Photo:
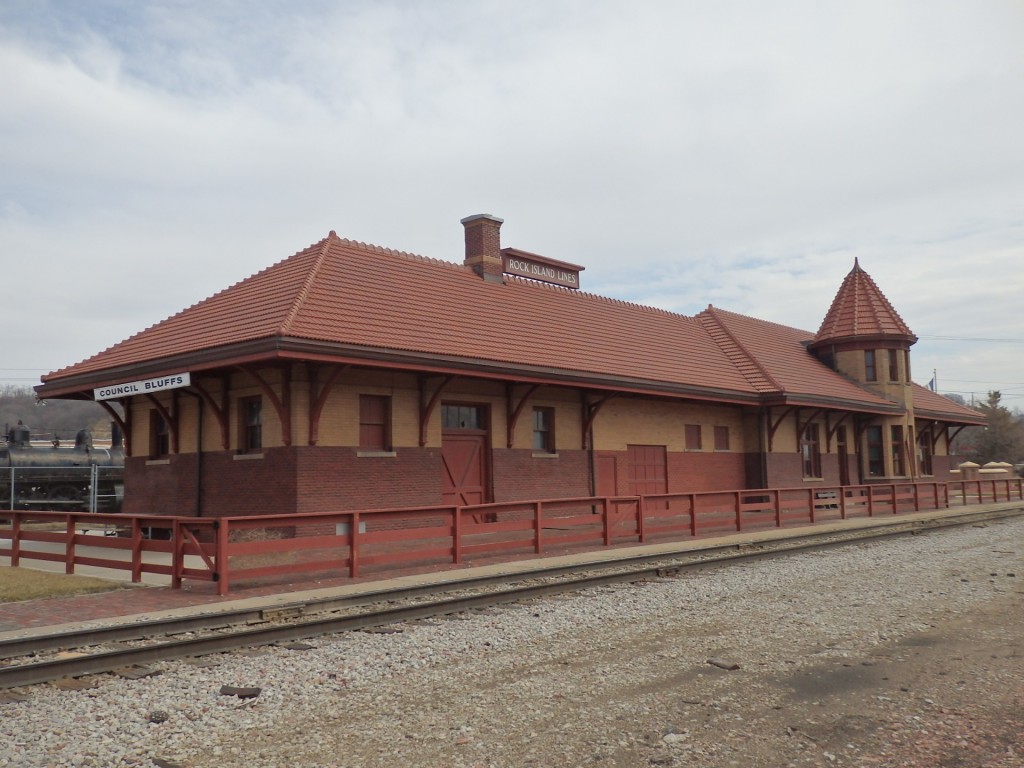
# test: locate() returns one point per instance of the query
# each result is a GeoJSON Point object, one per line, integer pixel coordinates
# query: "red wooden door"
{"type": "Point", "coordinates": [463, 457]}
{"type": "Point", "coordinates": [647, 469]}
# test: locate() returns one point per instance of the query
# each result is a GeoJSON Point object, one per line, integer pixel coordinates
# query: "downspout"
{"type": "Point", "coordinates": [199, 456]}
{"type": "Point", "coordinates": [763, 442]}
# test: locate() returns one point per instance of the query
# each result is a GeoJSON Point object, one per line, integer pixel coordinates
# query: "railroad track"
{"type": "Point", "coordinates": [149, 642]}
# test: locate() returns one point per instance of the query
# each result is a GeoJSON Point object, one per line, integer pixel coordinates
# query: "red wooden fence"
{"type": "Point", "coordinates": [234, 549]}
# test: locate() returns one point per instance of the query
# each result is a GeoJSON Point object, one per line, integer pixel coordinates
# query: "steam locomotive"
{"type": "Point", "coordinates": [58, 477]}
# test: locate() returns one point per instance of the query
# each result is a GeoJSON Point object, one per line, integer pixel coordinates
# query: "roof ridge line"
{"type": "Point", "coordinates": [307, 284]}
{"type": "Point", "coordinates": [712, 314]}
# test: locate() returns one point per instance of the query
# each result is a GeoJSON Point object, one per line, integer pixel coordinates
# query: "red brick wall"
{"type": "Point", "coordinates": [249, 486]}
{"type": "Point", "coordinates": [704, 471]}
{"type": "Point", "coordinates": [336, 478]}
{"type": "Point", "coordinates": [160, 489]}
{"type": "Point", "coordinates": [785, 470]}
{"type": "Point", "coordinates": [518, 475]}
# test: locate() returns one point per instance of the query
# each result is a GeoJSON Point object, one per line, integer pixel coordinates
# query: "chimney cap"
{"type": "Point", "coordinates": [476, 216]}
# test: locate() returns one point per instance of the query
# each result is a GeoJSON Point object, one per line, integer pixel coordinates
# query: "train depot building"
{"type": "Point", "coordinates": [351, 376]}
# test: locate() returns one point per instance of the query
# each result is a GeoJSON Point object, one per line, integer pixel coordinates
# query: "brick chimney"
{"type": "Point", "coordinates": [483, 246]}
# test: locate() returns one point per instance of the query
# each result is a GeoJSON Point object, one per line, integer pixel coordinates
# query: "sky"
{"type": "Point", "coordinates": [726, 152]}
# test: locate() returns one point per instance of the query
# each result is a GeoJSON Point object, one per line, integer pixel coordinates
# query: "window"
{"type": "Point", "coordinates": [876, 458]}
{"type": "Point", "coordinates": [693, 441]}
{"type": "Point", "coordinates": [924, 453]}
{"type": "Point", "coordinates": [374, 423]}
{"type": "Point", "coordinates": [906, 363]}
{"type": "Point", "coordinates": [544, 430]}
{"type": "Point", "coordinates": [898, 464]}
{"type": "Point", "coordinates": [159, 435]}
{"type": "Point", "coordinates": [810, 451]}
{"type": "Point", "coordinates": [463, 417]}
{"type": "Point", "coordinates": [870, 373]}
{"type": "Point", "coordinates": [894, 365]}
{"type": "Point", "coordinates": [251, 420]}
{"type": "Point", "coordinates": [721, 438]}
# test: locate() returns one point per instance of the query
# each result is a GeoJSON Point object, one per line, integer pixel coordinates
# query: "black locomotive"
{"type": "Point", "coordinates": [59, 477]}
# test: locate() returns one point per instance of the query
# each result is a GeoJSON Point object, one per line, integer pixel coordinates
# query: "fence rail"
{"type": "Point", "coordinates": [230, 550]}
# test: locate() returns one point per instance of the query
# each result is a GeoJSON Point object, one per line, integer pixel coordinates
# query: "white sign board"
{"type": "Point", "coordinates": [146, 386]}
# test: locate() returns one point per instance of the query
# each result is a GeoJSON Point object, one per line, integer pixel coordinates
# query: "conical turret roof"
{"type": "Point", "coordinates": [861, 311]}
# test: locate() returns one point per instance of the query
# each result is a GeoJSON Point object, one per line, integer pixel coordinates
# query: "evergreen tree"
{"type": "Point", "coordinates": [1002, 439]}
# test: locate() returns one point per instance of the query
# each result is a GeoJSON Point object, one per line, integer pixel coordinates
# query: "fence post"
{"type": "Point", "coordinates": [457, 534]}
{"type": "Point", "coordinates": [15, 538]}
{"type": "Point", "coordinates": [739, 511]}
{"type": "Point", "coordinates": [641, 522]}
{"type": "Point", "coordinates": [137, 558]}
{"type": "Point", "coordinates": [778, 507]}
{"type": "Point", "coordinates": [353, 548]}
{"type": "Point", "coordinates": [12, 489]}
{"type": "Point", "coordinates": [607, 521]}
{"type": "Point", "coordinates": [69, 545]}
{"type": "Point", "coordinates": [537, 544]}
{"type": "Point", "coordinates": [693, 515]}
{"type": "Point", "coordinates": [220, 555]}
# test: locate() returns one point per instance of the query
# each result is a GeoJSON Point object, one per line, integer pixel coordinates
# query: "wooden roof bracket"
{"type": "Point", "coordinates": [831, 429]}
{"type": "Point", "coordinates": [121, 422]}
{"type": "Point", "coordinates": [590, 411]}
{"type": "Point", "coordinates": [801, 427]}
{"type": "Point", "coordinates": [950, 438]}
{"type": "Point", "coordinates": [282, 405]}
{"type": "Point", "coordinates": [171, 419]}
{"type": "Point", "coordinates": [427, 409]}
{"type": "Point", "coordinates": [773, 427]}
{"type": "Point", "coordinates": [219, 410]}
{"type": "Point", "coordinates": [514, 413]}
{"type": "Point", "coordinates": [319, 398]}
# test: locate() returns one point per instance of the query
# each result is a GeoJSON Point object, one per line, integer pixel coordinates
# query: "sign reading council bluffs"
{"type": "Point", "coordinates": [534, 267]}
{"type": "Point", "coordinates": [129, 388]}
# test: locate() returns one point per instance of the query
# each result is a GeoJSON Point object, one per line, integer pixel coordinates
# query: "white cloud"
{"type": "Point", "coordinates": [736, 153]}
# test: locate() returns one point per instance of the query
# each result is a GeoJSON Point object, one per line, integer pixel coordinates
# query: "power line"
{"type": "Point", "coordinates": [974, 339]}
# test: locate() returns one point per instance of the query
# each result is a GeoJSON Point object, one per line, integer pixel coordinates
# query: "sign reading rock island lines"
{"type": "Point", "coordinates": [534, 267]}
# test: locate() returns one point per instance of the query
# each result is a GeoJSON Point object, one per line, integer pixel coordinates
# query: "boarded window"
{"type": "Point", "coordinates": [374, 423]}
{"type": "Point", "coordinates": [894, 365]}
{"type": "Point", "coordinates": [721, 438]}
{"type": "Point", "coordinates": [693, 441]}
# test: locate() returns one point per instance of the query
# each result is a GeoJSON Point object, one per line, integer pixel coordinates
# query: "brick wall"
{"type": "Point", "coordinates": [337, 478]}
{"type": "Point", "coordinates": [519, 475]}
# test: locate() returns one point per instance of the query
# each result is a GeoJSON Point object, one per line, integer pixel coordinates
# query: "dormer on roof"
{"type": "Point", "coordinates": [859, 313]}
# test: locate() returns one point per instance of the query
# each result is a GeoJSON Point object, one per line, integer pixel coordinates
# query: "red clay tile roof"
{"type": "Point", "coordinates": [782, 365]}
{"type": "Point", "coordinates": [860, 310]}
{"type": "Point", "coordinates": [353, 301]}
{"type": "Point", "coordinates": [342, 292]}
{"type": "Point", "coordinates": [928, 404]}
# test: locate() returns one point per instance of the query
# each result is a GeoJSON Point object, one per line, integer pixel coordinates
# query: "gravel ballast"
{"type": "Point", "coordinates": [905, 652]}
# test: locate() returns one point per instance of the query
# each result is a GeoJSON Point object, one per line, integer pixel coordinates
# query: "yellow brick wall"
{"type": "Point", "coordinates": [623, 422]}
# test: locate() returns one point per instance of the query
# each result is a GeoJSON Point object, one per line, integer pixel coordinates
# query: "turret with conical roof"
{"type": "Point", "coordinates": [864, 338]}
{"type": "Point", "coordinates": [860, 312]}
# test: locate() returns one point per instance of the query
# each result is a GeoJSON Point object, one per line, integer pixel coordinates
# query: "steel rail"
{"type": "Point", "coordinates": [665, 565]}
